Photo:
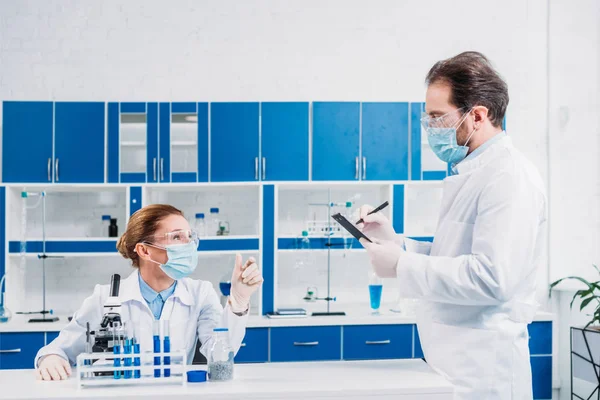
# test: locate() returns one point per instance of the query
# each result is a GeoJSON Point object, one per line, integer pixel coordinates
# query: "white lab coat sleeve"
{"type": "Point", "coordinates": [417, 246]}
{"type": "Point", "coordinates": [504, 236]}
{"type": "Point", "coordinates": [72, 339]}
{"type": "Point", "coordinates": [213, 316]}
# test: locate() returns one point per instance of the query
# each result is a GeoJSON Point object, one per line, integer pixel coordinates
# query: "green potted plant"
{"type": "Point", "coordinates": [585, 341]}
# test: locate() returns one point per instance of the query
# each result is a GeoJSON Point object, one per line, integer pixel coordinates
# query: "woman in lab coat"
{"type": "Point", "coordinates": [163, 251]}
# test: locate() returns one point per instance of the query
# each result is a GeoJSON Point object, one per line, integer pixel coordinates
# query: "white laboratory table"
{"type": "Point", "coordinates": [394, 379]}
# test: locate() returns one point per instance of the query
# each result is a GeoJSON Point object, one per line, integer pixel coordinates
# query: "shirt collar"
{"type": "Point", "coordinates": [499, 145]}
{"type": "Point", "coordinates": [150, 294]}
{"type": "Point", "coordinates": [131, 289]}
{"type": "Point", "coordinates": [475, 153]}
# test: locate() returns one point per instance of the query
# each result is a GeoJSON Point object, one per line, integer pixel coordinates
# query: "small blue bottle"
{"type": "Point", "coordinates": [156, 341]}
{"type": "Point", "coordinates": [166, 348]}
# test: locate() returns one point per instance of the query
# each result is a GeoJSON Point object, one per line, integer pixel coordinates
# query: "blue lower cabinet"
{"type": "Point", "coordinates": [255, 346]}
{"type": "Point", "coordinates": [372, 342]}
{"type": "Point", "coordinates": [540, 338]}
{"type": "Point", "coordinates": [315, 343]}
{"type": "Point", "coordinates": [50, 336]}
{"type": "Point", "coordinates": [418, 351]}
{"type": "Point", "coordinates": [18, 350]}
{"type": "Point", "coordinates": [541, 377]}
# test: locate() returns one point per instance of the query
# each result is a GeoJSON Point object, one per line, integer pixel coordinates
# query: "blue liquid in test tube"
{"type": "Point", "coordinates": [127, 350]}
{"type": "Point", "coordinates": [166, 347]}
{"type": "Point", "coordinates": [156, 339]}
{"type": "Point", "coordinates": [375, 296]}
{"type": "Point", "coordinates": [136, 360]}
{"type": "Point", "coordinates": [117, 353]}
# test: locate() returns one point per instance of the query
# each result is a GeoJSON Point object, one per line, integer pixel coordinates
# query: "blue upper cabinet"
{"type": "Point", "coordinates": [234, 154]}
{"type": "Point", "coordinates": [384, 141]}
{"type": "Point", "coordinates": [284, 142]}
{"type": "Point", "coordinates": [183, 142]}
{"type": "Point", "coordinates": [336, 141]}
{"type": "Point", "coordinates": [133, 143]}
{"type": "Point", "coordinates": [27, 142]}
{"type": "Point", "coordinates": [79, 142]}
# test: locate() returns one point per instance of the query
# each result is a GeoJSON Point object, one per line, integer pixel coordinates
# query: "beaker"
{"type": "Point", "coordinates": [375, 290]}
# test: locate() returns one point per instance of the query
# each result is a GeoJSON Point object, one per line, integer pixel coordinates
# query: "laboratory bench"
{"type": "Point", "coordinates": [391, 379]}
{"type": "Point", "coordinates": [357, 336]}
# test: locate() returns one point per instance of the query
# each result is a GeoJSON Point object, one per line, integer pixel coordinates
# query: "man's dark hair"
{"type": "Point", "coordinates": [473, 82]}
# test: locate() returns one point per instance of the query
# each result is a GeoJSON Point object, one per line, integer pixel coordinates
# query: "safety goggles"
{"type": "Point", "coordinates": [448, 120]}
{"type": "Point", "coordinates": [184, 236]}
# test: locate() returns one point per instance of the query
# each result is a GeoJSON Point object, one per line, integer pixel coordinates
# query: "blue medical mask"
{"type": "Point", "coordinates": [443, 143]}
{"type": "Point", "coordinates": [182, 259]}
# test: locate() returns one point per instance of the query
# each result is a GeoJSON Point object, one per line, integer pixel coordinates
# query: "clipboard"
{"type": "Point", "coordinates": [350, 227]}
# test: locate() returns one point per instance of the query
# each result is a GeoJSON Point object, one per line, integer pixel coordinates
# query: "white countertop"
{"type": "Point", "coordinates": [360, 317]}
{"type": "Point", "coordinates": [394, 379]}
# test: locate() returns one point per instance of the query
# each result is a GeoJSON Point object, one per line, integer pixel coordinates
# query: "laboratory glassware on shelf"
{"type": "Point", "coordinates": [225, 287]}
{"type": "Point", "coordinates": [213, 223]}
{"type": "Point", "coordinates": [375, 291]}
{"type": "Point", "coordinates": [105, 232]}
{"type": "Point", "coordinates": [41, 199]}
{"type": "Point", "coordinates": [220, 357]}
{"type": "Point", "coordinates": [200, 224]}
{"type": "Point", "coordinates": [5, 313]}
{"type": "Point", "coordinates": [113, 229]}
{"type": "Point", "coordinates": [304, 258]}
{"type": "Point", "coordinates": [326, 230]}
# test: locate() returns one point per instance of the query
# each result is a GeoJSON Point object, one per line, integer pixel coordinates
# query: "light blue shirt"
{"type": "Point", "coordinates": [155, 300]}
{"type": "Point", "coordinates": [480, 149]}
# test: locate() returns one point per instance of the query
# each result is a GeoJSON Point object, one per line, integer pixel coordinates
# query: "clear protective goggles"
{"type": "Point", "coordinates": [183, 236]}
{"type": "Point", "coordinates": [449, 120]}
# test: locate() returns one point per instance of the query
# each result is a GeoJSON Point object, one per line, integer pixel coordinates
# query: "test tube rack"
{"type": "Point", "coordinates": [103, 362]}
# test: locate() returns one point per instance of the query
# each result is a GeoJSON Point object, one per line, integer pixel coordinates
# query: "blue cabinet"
{"type": "Point", "coordinates": [377, 342]}
{"type": "Point", "coordinates": [50, 336]}
{"type": "Point", "coordinates": [541, 377]}
{"type": "Point", "coordinates": [18, 350]}
{"type": "Point", "coordinates": [284, 141]}
{"type": "Point", "coordinates": [234, 142]}
{"type": "Point", "coordinates": [255, 346]}
{"type": "Point", "coordinates": [315, 343]}
{"type": "Point", "coordinates": [79, 142]}
{"type": "Point", "coordinates": [27, 142]}
{"type": "Point", "coordinates": [540, 338]}
{"type": "Point", "coordinates": [384, 141]}
{"type": "Point", "coordinates": [133, 143]}
{"type": "Point", "coordinates": [418, 350]}
{"type": "Point", "coordinates": [336, 141]}
{"type": "Point", "coordinates": [183, 142]}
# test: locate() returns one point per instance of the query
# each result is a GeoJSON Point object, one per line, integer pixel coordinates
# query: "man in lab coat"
{"type": "Point", "coordinates": [477, 280]}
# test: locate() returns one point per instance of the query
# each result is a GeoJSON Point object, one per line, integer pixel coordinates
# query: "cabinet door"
{"type": "Point", "coordinates": [129, 142]}
{"type": "Point", "coordinates": [27, 141]}
{"type": "Point", "coordinates": [284, 141]}
{"type": "Point", "coordinates": [18, 350]}
{"type": "Point", "coordinates": [307, 343]}
{"type": "Point", "coordinates": [79, 142]}
{"type": "Point", "coordinates": [336, 130]}
{"type": "Point", "coordinates": [541, 377]}
{"type": "Point", "coordinates": [384, 141]}
{"type": "Point", "coordinates": [255, 346]}
{"type": "Point", "coordinates": [377, 342]}
{"type": "Point", "coordinates": [234, 142]}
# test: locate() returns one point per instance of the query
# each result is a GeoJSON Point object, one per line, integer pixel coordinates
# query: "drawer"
{"type": "Point", "coordinates": [372, 342]}
{"type": "Point", "coordinates": [255, 346]}
{"type": "Point", "coordinates": [18, 350]}
{"type": "Point", "coordinates": [50, 336]}
{"type": "Point", "coordinates": [418, 352]}
{"type": "Point", "coordinates": [541, 377]}
{"type": "Point", "coordinates": [540, 338]}
{"type": "Point", "coordinates": [314, 343]}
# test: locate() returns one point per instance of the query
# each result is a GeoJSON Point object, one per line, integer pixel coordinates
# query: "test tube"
{"type": "Point", "coordinates": [136, 350]}
{"type": "Point", "coordinates": [116, 351]}
{"type": "Point", "coordinates": [156, 339]}
{"type": "Point", "coordinates": [166, 347]}
{"type": "Point", "coordinates": [127, 347]}
{"type": "Point", "coordinates": [88, 348]}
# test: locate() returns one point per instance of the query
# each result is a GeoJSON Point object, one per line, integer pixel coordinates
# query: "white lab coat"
{"type": "Point", "coordinates": [477, 280]}
{"type": "Point", "coordinates": [193, 311]}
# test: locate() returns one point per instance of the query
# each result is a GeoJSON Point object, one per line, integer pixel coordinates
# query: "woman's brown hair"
{"type": "Point", "coordinates": [143, 224]}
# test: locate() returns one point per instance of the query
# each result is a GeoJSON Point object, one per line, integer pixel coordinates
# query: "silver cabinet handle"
{"type": "Point", "coordinates": [56, 169]}
{"type": "Point", "coordinates": [264, 168]}
{"type": "Point", "coordinates": [256, 168]}
{"type": "Point", "coordinates": [243, 345]}
{"type": "Point", "coordinates": [364, 175]}
{"type": "Point", "coordinates": [10, 351]}
{"type": "Point", "coordinates": [154, 167]}
{"type": "Point", "coordinates": [162, 169]}
{"type": "Point", "coordinates": [356, 169]}
{"type": "Point", "coordinates": [306, 343]}
{"type": "Point", "coordinates": [370, 342]}
{"type": "Point", "coordinates": [49, 169]}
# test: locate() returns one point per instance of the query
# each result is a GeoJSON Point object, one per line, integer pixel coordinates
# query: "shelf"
{"type": "Point", "coordinates": [107, 246]}
{"type": "Point", "coordinates": [133, 143]}
{"type": "Point", "coordinates": [184, 143]}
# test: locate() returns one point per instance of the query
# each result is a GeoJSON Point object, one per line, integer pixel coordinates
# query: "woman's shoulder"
{"type": "Point", "coordinates": [195, 285]}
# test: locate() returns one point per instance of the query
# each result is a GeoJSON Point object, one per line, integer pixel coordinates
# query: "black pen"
{"type": "Point", "coordinates": [381, 207]}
